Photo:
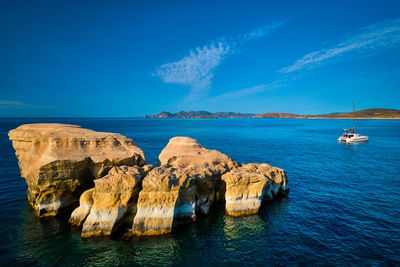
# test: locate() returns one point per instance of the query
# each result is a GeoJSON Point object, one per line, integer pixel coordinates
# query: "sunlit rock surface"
{"type": "Point", "coordinates": [207, 167]}
{"type": "Point", "coordinates": [104, 176]}
{"type": "Point", "coordinates": [166, 200]}
{"type": "Point", "coordinates": [250, 184]}
{"type": "Point", "coordinates": [185, 151]}
{"type": "Point", "coordinates": [60, 161]}
{"type": "Point", "coordinates": [188, 182]}
{"type": "Point", "coordinates": [111, 203]}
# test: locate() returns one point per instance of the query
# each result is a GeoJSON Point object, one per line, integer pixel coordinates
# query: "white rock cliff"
{"type": "Point", "coordinates": [104, 177]}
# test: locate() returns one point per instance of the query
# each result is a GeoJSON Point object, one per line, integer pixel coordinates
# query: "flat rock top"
{"type": "Point", "coordinates": [41, 143]}
{"type": "Point", "coordinates": [122, 177]}
{"type": "Point", "coordinates": [186, 151]}
{"type": "Point", "coordinates": [56, 130]}
{"type": "Point", "coordinates": [252, 171]}
{"type": "Point", "coordinates": [167, 178]}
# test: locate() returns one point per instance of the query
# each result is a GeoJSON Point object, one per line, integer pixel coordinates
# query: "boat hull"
{"type": "Point", "coordinates": [357, 139]}
{"type": "Point", "coordinates": [353, 139]}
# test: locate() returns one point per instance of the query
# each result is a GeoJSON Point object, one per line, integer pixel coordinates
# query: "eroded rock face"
{"type": "Point", "coordinates": [106, 173]}
{"type": "Point", "coordinates": [111, 203]}
{"type": "Point", "coordinates": [185, 151]}
{"type": "Point", "coordinates": [249, 185]}
{"type": "Point", "coordinates": [60, 161]}
{"type": "Point", "coordinates": [207, 167]}
{"type": "Point", "coordinates": [187, 182]}
{"type": "Point", "coordinates": [166, 200]}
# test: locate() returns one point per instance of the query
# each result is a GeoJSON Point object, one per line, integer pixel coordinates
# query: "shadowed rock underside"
{"type": "Point", "coordinates": [59, 161]}
{"type": "Point", "coordinates": [66, 165]}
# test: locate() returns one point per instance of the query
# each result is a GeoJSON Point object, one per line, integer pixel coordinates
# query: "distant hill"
{"type": "Point", "coordinates": [372, 113]}
{"type": "Point", "coordinates": [279, 115]}
{"type": "Point", "coordinates": [200, 114]}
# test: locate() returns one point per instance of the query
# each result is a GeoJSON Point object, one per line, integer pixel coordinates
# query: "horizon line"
{"type": "Point", "coordinates": [141, 116]}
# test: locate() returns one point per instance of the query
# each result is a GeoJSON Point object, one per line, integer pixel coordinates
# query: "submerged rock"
{"type": "Point", "coordinates": [60, 161]}
{"type": "Point", "coordinates": [111, 203]}
{"type": "Point", "coordinates": [250, 184]}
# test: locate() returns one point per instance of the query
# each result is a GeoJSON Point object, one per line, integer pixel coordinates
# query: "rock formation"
{"type": "Point", "coordinates": [166, 200]}
{"type": "Point", "coordinates": [188, 182]}
{"type": "Point", "coordinates": [111, 203]}
{"type": "Point", "coordinates": [191, 178]}
{"type": "Point", "coordinates": [206, 166]}
{"type": "Point", "coordinates": [60, 161]}
{"type": "Point", "coordinates": [66, 165]}
{"type": "Point", "coordinates": [249, 185]}
{"type": "Point", "coordinates": [185, 151]}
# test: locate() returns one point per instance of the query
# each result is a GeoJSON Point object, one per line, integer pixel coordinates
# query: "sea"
{"type": "Point", "coordinates": [343, 207]}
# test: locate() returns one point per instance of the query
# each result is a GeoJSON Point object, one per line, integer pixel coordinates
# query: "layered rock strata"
{"type": "Point", "coordinates": [250, 184]}
{"type": "Point", "coordinates": [166, 200]}
{"type": "Point", "coordinates": [191, 178]}
{"type": "Point", "coordinates": [105, 176]}
{"type": "Point", "coordinates": [60, 161]}
{"type": "Point", "coordinates": [188, 182]}
{"type": "Point", "coordinates": [206, 167]}
{"type": "Point", "coordinates": [111, 203]}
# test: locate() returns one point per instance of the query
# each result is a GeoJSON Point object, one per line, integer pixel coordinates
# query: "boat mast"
{"type": "Point", "coordinates": [354, 119]}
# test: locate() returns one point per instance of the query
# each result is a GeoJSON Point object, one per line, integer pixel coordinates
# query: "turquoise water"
{"type": "Point", "coordinates": [343, 207]}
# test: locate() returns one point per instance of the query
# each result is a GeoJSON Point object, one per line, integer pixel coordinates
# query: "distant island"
{"type": "Point", "coordinates": [276, 115]}
{"type": "Point", "coordinates": [372, 113]}
{"type": "Point", "coordinates": [200, 114]}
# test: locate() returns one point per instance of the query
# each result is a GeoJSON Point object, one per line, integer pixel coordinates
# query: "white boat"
{"type": "Point", "coordinates": [350, 136]}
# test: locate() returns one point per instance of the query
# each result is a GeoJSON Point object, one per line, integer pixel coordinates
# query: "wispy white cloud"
{"type": "Point", "coordinates": [249, 91]}
{"type": "Point", "coordinates": [385, 34]}
{"type": "Point", "coordinates": [14, 104]}
{"type": "Point", "coordinates": [259, 32]}
{"type": "Point", "coordinates": [197, 68]}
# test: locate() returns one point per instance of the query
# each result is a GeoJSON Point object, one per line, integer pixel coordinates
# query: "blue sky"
{"type": "Point", "coordinates": [117, 58]}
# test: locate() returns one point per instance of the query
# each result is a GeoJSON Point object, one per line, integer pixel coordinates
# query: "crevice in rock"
{"type": "Point", "coordinates": [103, 178]}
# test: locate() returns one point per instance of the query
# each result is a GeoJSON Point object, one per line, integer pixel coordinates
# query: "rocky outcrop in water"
{"type": "Point", "coordinates": [192, 178]}
{"type": "Point", "coordinates": [187, 182]}
{"type": "Point", "coordinates": [166, 200]}
{"type": "Point", "coordinates": [106, 173]}
{"type": "Point", "coordinates": [111, 203]}
{"type": "Point", "coordinates": [59, 161]}
{"type": "Point", "coordinates": [250, 184]}
{"type": "Point", "coordinates": [205, 165]}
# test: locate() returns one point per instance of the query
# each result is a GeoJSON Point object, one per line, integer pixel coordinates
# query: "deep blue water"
{"type": "Point", "coordinates": [343, 207]}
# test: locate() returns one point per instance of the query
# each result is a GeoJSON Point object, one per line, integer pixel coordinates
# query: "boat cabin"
{"type": "Point", "coordinates": [348, 133]}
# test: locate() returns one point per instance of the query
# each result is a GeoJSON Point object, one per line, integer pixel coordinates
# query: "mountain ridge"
{"type": "Point", "coordinates": [200, 114]}
{"type": "Point", "coordinates": [372, 113]}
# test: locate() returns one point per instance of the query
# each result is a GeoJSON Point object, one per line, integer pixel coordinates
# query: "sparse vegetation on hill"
{"type": "Point", "coordinates": [372, 113]}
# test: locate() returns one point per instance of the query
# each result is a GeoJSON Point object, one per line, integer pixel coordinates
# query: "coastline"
{"type": "Point", "coordinates": [371, 113]}
{"type": "Point", "coordinates": [363, 118]}
{"type": "Point", "coordinates": [320, 118]}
